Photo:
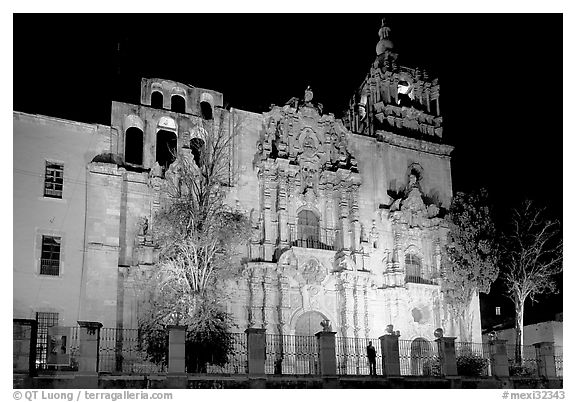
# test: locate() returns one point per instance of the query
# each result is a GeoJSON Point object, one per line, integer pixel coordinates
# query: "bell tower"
{"type": "Point", "coordinates": [395, 98]}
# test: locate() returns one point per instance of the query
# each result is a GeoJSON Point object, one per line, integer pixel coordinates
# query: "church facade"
{"type": "Point", "coordinates": [347, 214]}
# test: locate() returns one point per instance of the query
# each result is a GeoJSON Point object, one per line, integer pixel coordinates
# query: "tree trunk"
{"type": "Point", "coordinates": [519, 331]}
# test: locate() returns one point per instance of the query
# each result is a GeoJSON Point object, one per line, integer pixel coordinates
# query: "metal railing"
{"type": "Point", "coordinates": [291, 354]}
{"type": "Point", "coordinates": [352, 356]}
{"type": "Point", "coordinates": [558, 361]}
{"type": "Point", "coordinates": [324, 239]}
{"type": "Point", "coordinates": [529, 364]}
{"type": "Point", "coordinates": [415, 275]}
{"type": "Point", "coordinates": [67, 347]}
{"type": "Point", "coordinates": [419, 357]}
{"type": "Point", "coordinates": [236, 360]}
{"type": "Point", "coordinates": [473, 359]}
{"type": "Point", "coordinates": [49, 267]}
{"type": "Point", "coordinates": [121, 351]}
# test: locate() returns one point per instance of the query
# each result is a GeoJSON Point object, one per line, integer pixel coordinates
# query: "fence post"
{"type": "Point", "coordinates": [545, 359]}
{"type": "Point", "coordinates": [176, 377]}
{"type": "Point", "coordinates": [89, 337]}
{"type": "Point", "coordinates": [447, 354]}
{"type": "Point", "coordinates": [256, 340]}
{"type": "Point", "coordinates": [327, 352]}
{"type": "Point", "coordinates": [499, 358]}
{"type": "Point", "coordinates": [176, 349]}
{"type": "Point", "coordinates": [25, 334]}
{"type": "Point", "coordinates": [390, 355]}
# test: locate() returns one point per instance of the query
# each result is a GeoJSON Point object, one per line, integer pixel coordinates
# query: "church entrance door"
{"type": "Point", "coordinates": [307, 325]}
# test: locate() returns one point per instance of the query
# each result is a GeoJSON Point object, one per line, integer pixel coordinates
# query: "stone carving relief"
{"type": "Point", "coordinates": [312, 271]}
{"type": "Point", "coordinates": [343, 262]}
{"type": "Point", "coordinates": [409, 206]}
{"type": "Point", "coordinates": [317, 139]}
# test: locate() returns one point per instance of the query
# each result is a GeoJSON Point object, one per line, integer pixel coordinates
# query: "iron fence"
{"type": "Point", "coordinates": [352, 356]}
{"type": "Point", "coordinates": [236, 360]}
{"type": "Point", "coordinates": [291, 354]}
{"type": "Point", "coordinates": [418, 357]}
{"type": "Point", "coordinates": [58, 348]}
{"type": "Point", "coordinates": [528, 366]}
{"type": "Point", "coordinates": [121, 351]}
{"type": "Point", "coordinates": [558, 360]}
{"type": "Point", "coordinates": [473, 359]}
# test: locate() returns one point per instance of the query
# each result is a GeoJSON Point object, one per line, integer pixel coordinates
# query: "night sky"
{"type": "Point", "coordinates": [500, 78]}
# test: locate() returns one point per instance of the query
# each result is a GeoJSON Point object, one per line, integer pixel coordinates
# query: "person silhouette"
{"type": "Point", "coordinates": [371, 353]}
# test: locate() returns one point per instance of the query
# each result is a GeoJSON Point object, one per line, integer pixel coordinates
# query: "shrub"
{"type": "Point", "coordinates": [471, 365]}
{"type": "Point", "coordinates": [521, 371]}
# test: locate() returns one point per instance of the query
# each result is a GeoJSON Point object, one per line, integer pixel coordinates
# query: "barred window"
{"type": "Point", "coordinates": [53, 180]}
{"type": "Point", "coordinates": [413, 266]}
{"type": "Point", "coordinates": [45, 320]}
{"type": "Point", "coordinates": [50, 258]}
{"type": "Point", "coordinates": [308, 226]}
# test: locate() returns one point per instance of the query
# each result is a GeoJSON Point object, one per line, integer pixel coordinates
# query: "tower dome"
{"type": "Point", "coordinates": [384, 43]}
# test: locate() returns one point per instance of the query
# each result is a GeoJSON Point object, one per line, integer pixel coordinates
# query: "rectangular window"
{"type": "Point", "coordinates": [50, 258]}
{"type": "Point", "coordinates": [53, 180]}
{"type": "Point", "coordinates": [45, 320]}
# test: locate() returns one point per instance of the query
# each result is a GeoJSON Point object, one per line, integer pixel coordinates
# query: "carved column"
{"type": "Point", "coordinates": [270, 218]}
{"type": "Point", "coordinates": [256, 290]}
{"type": "Point", "coordinates": [354, 217]}
{"type": "Point", "coordinates": [283, 301]}
{"type": "Point", "coordinates": [283, 206]}
{"type": "Point", "coordinates": [358, 312]}
{"type": "Point", "coordinates": [365, 302]}
{"type": "Point", "coordinates": [343, 217]}
{"type": "Point", "coordinates": [351, 306]}
{"type": "Point", "coordinates": [342, 306]}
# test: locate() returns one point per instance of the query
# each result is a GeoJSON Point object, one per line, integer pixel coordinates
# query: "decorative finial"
{"type": "Point", "coordinates": [439, 333]}
{"type": "Point", "coordinates": [384, 30]}
{"type": "Point", "coordinates": [308, 94]}
{"type": "Point", "coordinates": [384, 44]}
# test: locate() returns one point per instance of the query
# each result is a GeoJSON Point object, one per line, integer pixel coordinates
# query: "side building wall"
{"type": "Point", "coordinates": [38, 139]}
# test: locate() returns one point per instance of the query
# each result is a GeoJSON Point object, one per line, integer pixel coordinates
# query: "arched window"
{"type": "Point", "coordinates": [308, 229]}
{"type": "Point", "coordinates": [178, 104]}
{"type": "Point", "coordinates": [157, 100]}
{"type": "Point", "coordinates": [197, 146]}
{"type": "Point", "coordinates": [134, 145]}
{"type": "Point", "coordinates": [413, 265]}
{"type": "Point", "coordinates": [206, 110]}
{"type": "Point", "coordinates": [166, 142]}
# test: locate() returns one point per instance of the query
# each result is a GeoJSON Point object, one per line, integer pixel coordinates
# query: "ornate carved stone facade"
{"type": "Point", "coordinates": [347, 215]}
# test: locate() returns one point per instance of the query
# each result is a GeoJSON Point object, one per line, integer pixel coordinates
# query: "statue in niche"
{"type": "Point", "coordinates": [143, 226]}
{"type": "Point", "coordinates": [309, 179]}
{"type": "Point", "coordinates": [259, 156]}
{"type": "Point", "coordinates": [255, 224]}
{"type": "Point", "coordinates": [309, 146]}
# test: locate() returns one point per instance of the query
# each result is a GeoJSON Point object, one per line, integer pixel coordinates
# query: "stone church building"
{"type": "Point", "coordinates": [347, 214]}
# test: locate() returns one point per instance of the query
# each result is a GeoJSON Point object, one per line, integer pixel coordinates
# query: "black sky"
{"type": "Point", "coordinates": [500, 77]}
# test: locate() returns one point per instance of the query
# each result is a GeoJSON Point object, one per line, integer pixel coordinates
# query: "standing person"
{"type": "Point", "coordinates": [371, 352]}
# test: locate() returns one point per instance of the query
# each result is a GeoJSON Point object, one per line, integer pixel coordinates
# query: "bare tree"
{"type": "Point", "coordinates": [197, 236]}
{"type": "Point", "coordinates": [531, 259]}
